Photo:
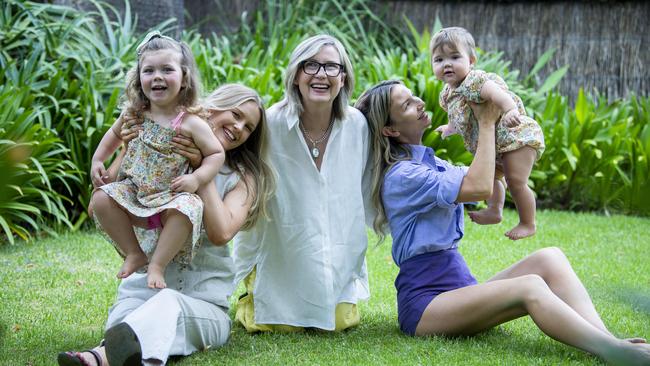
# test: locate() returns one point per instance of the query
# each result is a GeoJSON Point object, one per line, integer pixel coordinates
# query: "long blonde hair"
{"type": "Point", "coordinates": [375, 104]}
{"type": "Point", "coordinates": [136, 102]}
{"type": "Point", "coordinates": [249, 157]}
{"type": "Point", "coordinates": [303, 52]}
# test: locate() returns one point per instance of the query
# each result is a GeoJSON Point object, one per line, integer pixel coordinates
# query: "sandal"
{"type": "Point", "coordinates": [75, 358]}
{"type": "Point", "coordinates": [122, 346]}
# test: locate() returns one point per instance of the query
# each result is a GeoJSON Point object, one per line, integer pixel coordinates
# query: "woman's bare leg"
{"type": "Point", "coordinates": [119, 226]}
{"type": "Point", "coordinates": [517, 166]}
{"type": "Point", "coordinates": [176, 229]}
{"type": "Point", "coordinates": [472, 309]}
{"type": "Point", "coordinates": [553, 266]}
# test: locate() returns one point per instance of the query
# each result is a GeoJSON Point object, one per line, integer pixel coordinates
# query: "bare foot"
{"type": "Point", "coordinates": [630, 354]}
{"type": "Point", "coordinates": [131, 264]}
{"type": "Point", "coordinates": [521, 231]}
{"type": "Point", "coordinates": [636, 340]}
{"type": "Point", "coordinates": [487, 216]}
{"type": "Point", "coordinates": [156, 276]}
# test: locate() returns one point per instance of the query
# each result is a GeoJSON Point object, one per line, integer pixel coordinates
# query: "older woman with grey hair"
{"type": "Point", "coordinates": [305, 266]}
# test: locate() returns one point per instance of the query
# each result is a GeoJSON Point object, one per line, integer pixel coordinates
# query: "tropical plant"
{"type": "Point", "coordinates": [33, 161]}
{"type": "Point", "coordinates": [63, 74]}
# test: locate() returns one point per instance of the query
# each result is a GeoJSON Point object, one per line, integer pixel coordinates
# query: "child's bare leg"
{"type": "Point", "coordinates": [118, 225]}
{"type": "Point", "coordinates": [494, 211]}
{"type": "Point", "coordinates": [177, 227]}
{"type": "Point", "coordinates": [517, 166]}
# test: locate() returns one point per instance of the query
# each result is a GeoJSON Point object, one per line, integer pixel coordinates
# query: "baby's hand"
{"type": "Point", "coordinates": [185, 183]}
{"type": "Point", "coordinates": [98, 174]}
{"type": "Point", "coordinates": [445, 130]}
{"type": "Point", "coordinates": [511, 118]}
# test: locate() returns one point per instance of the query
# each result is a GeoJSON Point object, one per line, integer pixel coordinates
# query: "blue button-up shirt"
{"type": "Point", "coordinates": [419, 199]}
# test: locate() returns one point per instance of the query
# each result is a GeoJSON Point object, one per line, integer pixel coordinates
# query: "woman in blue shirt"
{"type": "Point", "coordinates": [420, 197]}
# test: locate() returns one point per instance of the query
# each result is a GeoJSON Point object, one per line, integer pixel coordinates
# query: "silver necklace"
{"type": "Point", "coordinates": [315, 152]}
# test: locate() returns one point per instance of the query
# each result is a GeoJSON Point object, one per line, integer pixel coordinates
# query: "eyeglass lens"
{"type": "Point", "coordinates": [313, 67]}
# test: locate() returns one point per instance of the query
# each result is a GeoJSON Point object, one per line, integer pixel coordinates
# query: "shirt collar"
{"type": "Point", "coordinates": [420, 151]}
{"type": "Point", "coordinates": [292, 120]}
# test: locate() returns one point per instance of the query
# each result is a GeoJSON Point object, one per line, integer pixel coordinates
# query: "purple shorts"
{"type": "Point", "coordinates": [425, 276]}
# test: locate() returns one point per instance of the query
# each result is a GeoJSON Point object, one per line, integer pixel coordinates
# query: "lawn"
{"type": "Point", "coordinates": [56, 292]}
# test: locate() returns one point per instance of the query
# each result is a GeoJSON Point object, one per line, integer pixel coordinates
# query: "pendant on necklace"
{"type": "Point", "coordinates": [315, 152]}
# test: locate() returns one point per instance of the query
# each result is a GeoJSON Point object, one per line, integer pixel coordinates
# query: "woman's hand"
{"type": "Point", "coordinates": [185, 146]}
{"type": "Point", "coordinates": [131, 127]}
{"type": "Point", "coordinates": [487, 114]}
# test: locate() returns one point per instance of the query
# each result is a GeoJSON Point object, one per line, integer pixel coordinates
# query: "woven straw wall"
{"type": "Point", "coordinates": [605, 43]}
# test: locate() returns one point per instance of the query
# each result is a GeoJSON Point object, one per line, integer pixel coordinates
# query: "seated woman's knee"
{"type": "Point", "coordinates": [549, 257]}
{"type": "Point", "coordinates": [532, 287]}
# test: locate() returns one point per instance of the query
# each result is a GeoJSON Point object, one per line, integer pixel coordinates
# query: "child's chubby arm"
{"type": "Point", "coordinates": [107, 146]}
{"type": "Point", "coordinates": [491, 92]}
{"type": "Point", "coordinates": [211, 149]}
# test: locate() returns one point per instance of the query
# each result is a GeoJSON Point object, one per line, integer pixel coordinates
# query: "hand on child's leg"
{"type": "Point", "coordinates": [517, 166]}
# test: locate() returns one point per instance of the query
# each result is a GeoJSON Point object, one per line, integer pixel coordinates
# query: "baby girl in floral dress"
{"type": "Point", "coordinates": [519, 138]}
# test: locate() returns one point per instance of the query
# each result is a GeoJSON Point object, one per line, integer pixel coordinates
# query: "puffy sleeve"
{"type": "Point", "coordinates": [471, 87]}
{"type": "Point", "coordinates": [444, 97]}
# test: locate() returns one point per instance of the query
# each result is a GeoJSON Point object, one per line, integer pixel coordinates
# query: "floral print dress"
{"type": "Point", "coordinates": [462, 119]}
{"type": "Point", "coordinates": [144, 181]}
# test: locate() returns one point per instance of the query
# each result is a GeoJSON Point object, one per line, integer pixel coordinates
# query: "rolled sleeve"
{"type": "Point", "coordinates": [427, 187]}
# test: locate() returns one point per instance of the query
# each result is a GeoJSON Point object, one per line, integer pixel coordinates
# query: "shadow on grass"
{"type": "Point", "coordinates": [637, 298]}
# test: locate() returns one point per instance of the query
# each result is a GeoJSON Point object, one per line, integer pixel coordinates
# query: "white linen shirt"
{"type": "Point", "coordinates": [310, 255]}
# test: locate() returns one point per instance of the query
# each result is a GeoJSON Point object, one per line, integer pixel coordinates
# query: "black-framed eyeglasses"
{"type": "Point", "coordinates": [313, 67]}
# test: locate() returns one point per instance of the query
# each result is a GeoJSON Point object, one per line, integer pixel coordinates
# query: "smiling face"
{"type": "Point", "coordinates": [161, 77]}
{"type": "Point", "coordinates": [451, 65]}
{"type": "Point", "coordinates": [233, 127]}
{"type": "Point", "coordinates": [408, 119]}
{"type": "Point", "coordinates": [320, 88]}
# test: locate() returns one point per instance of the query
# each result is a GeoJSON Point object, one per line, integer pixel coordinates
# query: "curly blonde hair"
{"type": "Point", "coordinates": [136, 102]}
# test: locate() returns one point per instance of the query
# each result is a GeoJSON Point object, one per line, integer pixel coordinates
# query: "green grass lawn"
{"type": "Point", "coordinates": [56, 292]}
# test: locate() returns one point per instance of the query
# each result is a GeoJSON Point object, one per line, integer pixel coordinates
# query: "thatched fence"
{"type": "Point", "coordinates": [605, 42]}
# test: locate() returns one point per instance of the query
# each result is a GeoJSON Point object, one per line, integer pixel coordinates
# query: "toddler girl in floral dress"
{"type": "Point", "coordinates": [153, 187]}
{"type": "Point", "coordinates": [519, 138]}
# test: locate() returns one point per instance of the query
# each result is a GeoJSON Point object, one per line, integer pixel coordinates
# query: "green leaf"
{"type": "Point", "coordinates": [553, 79]}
